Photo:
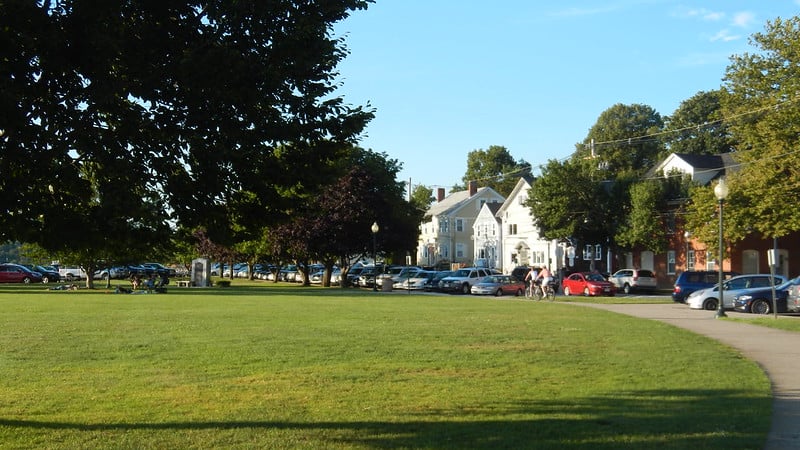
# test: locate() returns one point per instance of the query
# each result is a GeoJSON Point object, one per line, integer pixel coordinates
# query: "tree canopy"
{"type": "Point", "coordinates": [697, 126]}
{"type": "Point", "coordinates": [762, 101]}
{"type": "Point", "coordinates": [121, 118]}
{"type": "Point", "coordinates": [494, 168]}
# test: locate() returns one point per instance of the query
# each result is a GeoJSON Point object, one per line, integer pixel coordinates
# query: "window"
{"type": "Point", "coordinates": [671, 262]}
{"type": "Point", "coordinates": [459, 225]}
{"type": "Point", "coordinates": [512, 228]}
{"type": "Point", "coordinates": [444, 251]}
{"type": "Point", "coordinates": [690, 264]}
{"type": "Point", "coordinates": [444, 225]}
{"type": "Point", "coordinates": [459, 250]}
{"type": "Point", "coordinates": [598, 252]}
{"type": "Point", "coordinates": [587, 252]}
{"type": "Point", "coordinates": [710, 261]}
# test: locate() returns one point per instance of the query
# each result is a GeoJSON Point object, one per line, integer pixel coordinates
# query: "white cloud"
{"type": "Point", "coordinates": [744, 19]}
{"type": "Point", "coordinates": [703, 14]}
{"type": "Point", "coordinates": [724, 36]}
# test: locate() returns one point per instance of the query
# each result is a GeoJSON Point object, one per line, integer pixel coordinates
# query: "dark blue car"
{"type": "Point", "coordinates": [759, 301]}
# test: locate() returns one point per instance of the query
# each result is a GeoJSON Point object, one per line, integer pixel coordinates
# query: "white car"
{"type": "Point", "coordinates": [629, 280]}
{"type": "Point", "coordinates": [708, 298]}
{"type": "Point", "coordinates": [415, 281]}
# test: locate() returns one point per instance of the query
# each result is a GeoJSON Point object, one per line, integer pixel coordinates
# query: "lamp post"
{"type": "Point", "coordinates": [686, 236]}
{"type": "Point", "coordinates": [721, 192]}
{"type": "Point", "coordinates": [375, 228]}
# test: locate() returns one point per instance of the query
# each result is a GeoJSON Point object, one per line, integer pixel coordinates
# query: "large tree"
{"type": "Point", "coordinates": [697, 126]}
{"type": "Point", "coordinates": [495, 168]}
{"type": "Point", "coordinates": [622, 142]}
{"type": "Point", "coordinates": [761, 102]}
{"type": "Point", "coordinates": [118, 115]}
{"type": "Point", "coordinates": [567, 203]}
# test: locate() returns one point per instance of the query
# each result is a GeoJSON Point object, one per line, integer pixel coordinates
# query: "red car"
{"type": "Point", "coordinates": [15, 273]}
{"type": "Point", "coordinates": [587, 284]}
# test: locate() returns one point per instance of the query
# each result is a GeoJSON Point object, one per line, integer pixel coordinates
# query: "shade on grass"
{"type": "Point", "coordinates": [292, 367]}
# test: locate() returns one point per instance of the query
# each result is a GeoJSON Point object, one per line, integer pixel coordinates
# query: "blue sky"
{"type": "Point", "coordinates": [447, 77]}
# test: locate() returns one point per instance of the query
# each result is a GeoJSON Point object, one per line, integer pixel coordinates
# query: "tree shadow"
{"type": "Point", "coordinates": [675, 419]}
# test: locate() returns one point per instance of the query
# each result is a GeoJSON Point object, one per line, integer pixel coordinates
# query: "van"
{"type": "Point", "coordinates": [692, 280]}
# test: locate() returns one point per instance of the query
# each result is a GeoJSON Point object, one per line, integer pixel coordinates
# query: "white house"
{"type": "Point", "coordinates": [701, 168]}
{"type": "Point", "coordinates": [446, 234]}
{"type": "Point", "coordinates": [520, 241]}
{"type": "Point", "coordinates": [487, 233]}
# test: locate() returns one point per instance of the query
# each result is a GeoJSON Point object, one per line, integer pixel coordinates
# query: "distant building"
{"type": "Point", "coordinates": [446, 234]}
{"type": "Point", "coordinates": [487, 236]}
{"type": "Point", "coordinates": [521, 243]}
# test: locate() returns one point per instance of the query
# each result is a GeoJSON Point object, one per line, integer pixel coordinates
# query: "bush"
{"type": "Point", "coordinates": [223, 283]}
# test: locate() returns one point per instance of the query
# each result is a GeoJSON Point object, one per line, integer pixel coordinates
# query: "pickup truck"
{"type": "Point", "coordinates": [463, 279]}
{"type": "Point", "coordinates": [71, 273]}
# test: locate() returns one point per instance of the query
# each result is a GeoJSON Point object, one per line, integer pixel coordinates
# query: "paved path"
{"type": "Point", "coordinates": [776, 351]}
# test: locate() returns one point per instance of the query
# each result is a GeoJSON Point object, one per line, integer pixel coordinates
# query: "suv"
{"type": "Point", "coordinates": [690, 281]}
{"type": "Point", "coordinates": [463, 279]}
{"type": "Point", "coordinates": [628, 280]}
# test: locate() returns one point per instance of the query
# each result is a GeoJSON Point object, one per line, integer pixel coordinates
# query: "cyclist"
{"type": "Point", "coordinates": [547, 278]}
{"type": "Point", "coordinates": [530, 278]}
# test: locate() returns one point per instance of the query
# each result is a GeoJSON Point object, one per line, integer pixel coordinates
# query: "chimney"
{"type": "Point", "coordinates": [440, 194]}
{"type": "Point", "coordinates": [473, 188]}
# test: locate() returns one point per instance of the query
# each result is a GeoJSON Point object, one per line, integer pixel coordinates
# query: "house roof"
{"type": "Point", "coordinates": [454, 201]}
{"type": "Point", "coordinates": [720, 163]}
{"type": "Point", "coordinates": [493, 207]}
{"type": "Point", "coordinates": [523, 183]}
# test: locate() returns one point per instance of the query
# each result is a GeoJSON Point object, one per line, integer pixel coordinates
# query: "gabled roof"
{"type": "Point", "coordinates": [523, 183]}
{"type": "Point", "coordinates": [454, 201]}
{"type": "Point", "coordinates": [493, 207]}
{"type": "Point", "coordinates": [712, 166]}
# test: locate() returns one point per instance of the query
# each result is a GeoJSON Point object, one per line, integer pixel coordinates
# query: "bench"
{"type": "Point", "coordinates": [183, 283]}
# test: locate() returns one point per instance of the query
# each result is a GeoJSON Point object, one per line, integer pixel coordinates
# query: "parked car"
{"type": "Point", "coordinates": [16, 273]}
{"type": "Point", "coordinates": [630, 280]}
{"type": "Point", "coordinates": [159, 269]}
{"type": "Point", "coordinates": [520, 272]}
{"type": "Point", "coordinates": [49, 273]}
{"type": "Point", "coordinates": [316, 277]}
{"type": "Point", "coordinates": [498, 285]}
{"type": "Point", "coordinates": [137, 269]}
{"type": "Point", "coordinates": [116, 272]}
{"type": "Point", "coordinates": [793, 296]}
{"type": "Point", "coordinates": [691, 280]}
{"type": "Point", "coordinates": [708, 298]}
{"type": "Point", "coordinates": [588, 284]}
{"type": "Point", "coordinates": [417, 281]}
{"type": "Point", "coordinates": [352, 275]}
{"type": "Point", "coordinates": [71, 273]}
{"type": "Point", "coordinates": [462, 279]}
{"type": "Point", "coordinates": [433, 283]}
{"type": "Point", "coordinates": [367, 276]}
{"type": "Point", "coordinates": [759, 301]}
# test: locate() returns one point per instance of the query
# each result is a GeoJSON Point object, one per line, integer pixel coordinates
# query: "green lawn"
{"type": "Point", "coordinates": [278, 366]}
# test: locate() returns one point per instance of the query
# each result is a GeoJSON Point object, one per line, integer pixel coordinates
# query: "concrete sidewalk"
{"type": "Point", "coordinates": [776, 351]}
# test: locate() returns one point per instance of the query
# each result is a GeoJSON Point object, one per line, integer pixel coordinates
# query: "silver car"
{"type": "Point", "coordinates": [708, 298]}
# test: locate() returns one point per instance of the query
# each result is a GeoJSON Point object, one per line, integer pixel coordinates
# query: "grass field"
{"type": "Point", "coordinates": [279, 366]}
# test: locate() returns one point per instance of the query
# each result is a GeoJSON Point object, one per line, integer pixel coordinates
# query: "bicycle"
{"type": "Point", "coordinates": [550, 293]}
{"type": "Point", "coordinates": [535, 291]}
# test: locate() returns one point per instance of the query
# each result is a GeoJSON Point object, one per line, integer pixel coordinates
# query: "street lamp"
{"type": "Point", "coordinates": [375, 228]}
{"type": "Point", "coordinates": [721, 192]}
{"type": "Point", "coordinates": [686, 236]}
